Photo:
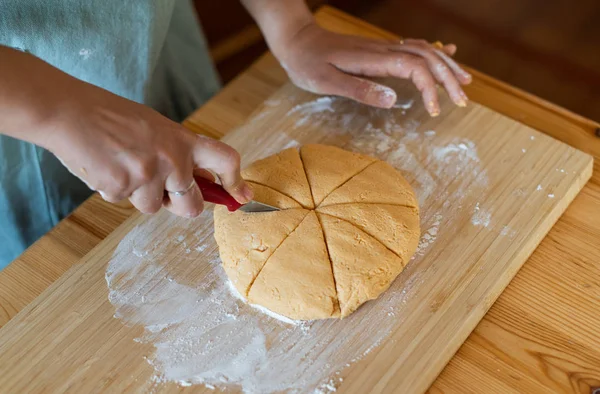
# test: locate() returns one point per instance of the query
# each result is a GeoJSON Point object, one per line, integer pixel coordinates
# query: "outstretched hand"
{"type": "Point", "coordinates": [324, 62]}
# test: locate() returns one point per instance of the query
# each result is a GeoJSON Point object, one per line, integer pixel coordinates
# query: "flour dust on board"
{"type": "Point", "coordinates": [165, 274]}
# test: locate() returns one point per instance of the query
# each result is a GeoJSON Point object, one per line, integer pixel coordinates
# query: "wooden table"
{"type": "Point", "coordinates": [542, 334]}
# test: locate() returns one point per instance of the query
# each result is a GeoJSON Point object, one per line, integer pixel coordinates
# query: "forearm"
{"type": "Point", "coordinates": [32, 95]}
{"type": "Point", "coordinates": [279, 20]}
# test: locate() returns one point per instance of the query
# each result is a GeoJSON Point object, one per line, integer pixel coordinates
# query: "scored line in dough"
{"type": "Point", "coordinates": [337, 299]}
{"type": "Point", "coordinates": [367, 203]}
{"type": "Point", "coordinates": [336, 188]}
{"type": "Point", "coordinates": [347, 217]}
{"type": "Point", "coordinates": [360, 229]}
{"type": "Point", "coordinates": [307, 181]}
{"type": "Point", "coordinates": [343, 183]}
{"type": "Point", "coordinates": [333, 216]}
{"type": "Point", "coordinates": [277, 247]}
{"type": "Point", "coordinates": [327, 248]}
{"type": "Point", "coordinates": [277, 191]}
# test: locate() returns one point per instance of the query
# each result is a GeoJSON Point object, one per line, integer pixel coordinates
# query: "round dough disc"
{"type": "Point", "coordinates": [348, 226]}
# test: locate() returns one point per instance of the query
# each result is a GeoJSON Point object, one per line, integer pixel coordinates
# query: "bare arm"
{"type": "Point", "coordinates": [279, 20]}
{"type": "Point", "coordinates": [120, 148]}
{"type": "Point", "coordinates": [328, 63]}
{"type": "Point", "coordinates": [31, 92]}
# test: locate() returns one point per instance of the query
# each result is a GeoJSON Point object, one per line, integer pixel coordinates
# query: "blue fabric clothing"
{"type": "Point", "coordinates": [152, 52]}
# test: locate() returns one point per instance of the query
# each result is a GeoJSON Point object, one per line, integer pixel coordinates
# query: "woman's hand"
{"type": "Point", "coordinates": [324, 62]}
{"type": "Point", "coordinates": [118, 147]}
{"type": "Point", "coordinates": [126, 150]}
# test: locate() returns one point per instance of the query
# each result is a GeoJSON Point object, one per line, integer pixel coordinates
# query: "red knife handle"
{"type": "Point", "coordinates": [215, 193]}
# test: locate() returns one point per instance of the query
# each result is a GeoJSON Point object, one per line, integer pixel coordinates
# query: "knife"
{"type": "Point", "coordinates": [215, 193]}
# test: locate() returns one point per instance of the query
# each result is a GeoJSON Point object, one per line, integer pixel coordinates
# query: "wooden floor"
{"type": "Point", "coordinates": [550, 48]}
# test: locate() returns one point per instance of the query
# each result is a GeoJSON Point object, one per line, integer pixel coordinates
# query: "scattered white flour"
{"type": "Point", "coordinates": [481, 217]}
{"type": "Point", "coordinates": [322, 104]}
{"type": "Point", "coordinates": [429, 236]}
{"type": "Point", "coordinates": [508, 231]}
{"type": "Point", "coordinates": [550, 195]}
{"type": "Point", "coordinates": [264, 310]}
{"type": "Point", "coordinates": [538, 188]}
{"type": "Point", "coordinates": [328, 387]}
{"type": "Point", "coordinates": [291, 144]}
{"type": "Point", "coordinates": [387, 92]}
{"type": "Point", "coordinates": [523, 150]}
{"type": "Point", "coordinates": [202, 334]}
{"type": "Point", "coordinates": [272, 103]}
{"type": "Point", "coordinates": [532, 137]}
{"type": "Point", "coordinates": [406, 105]}
{"type": "Point", "coordinates": [519, 192]}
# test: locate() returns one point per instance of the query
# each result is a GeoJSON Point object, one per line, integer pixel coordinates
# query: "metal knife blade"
{"type": "Point", "coordinates": [215, 193]}
{"type": "Point", "coordinates": [255, 206]}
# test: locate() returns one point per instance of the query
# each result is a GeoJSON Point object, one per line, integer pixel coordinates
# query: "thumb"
{"type": "Point", "coordinates": [224, 161]}
{"type": "Point", "coordinates": [362, 90]}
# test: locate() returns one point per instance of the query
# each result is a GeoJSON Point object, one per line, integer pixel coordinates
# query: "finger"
{"type": "Point", "coordinates": [463, 76]}
{"type": "Point", "coordinates": [367, 92]}
{"type": "Point", "coordinates": [201, 172]}
{"type": "Point", "coordinates": [110, 197]}
{"type": "Point", "coordinates": [394, 64]}
{"type": "Point", "coordinates": [190, 203]}
{"type": "Point", "coordinates": [415, 68]}
{"type": "Point", "coordinates": [224, 161]}
{"type": "Point", "coordinates": [425, 82]}
{"type": "Point", "coordinates": [440, 70]}
{"type": "Point", "coordinates": [115, 186]}
{"type": "Point", "coordinates": [149, 197]}
{"type": "Point", "coordinates": [449, 49]}
{"type": "Point", "coordinates": [417, 41]}
{"type": "Point", "coordinates": [445, 53]}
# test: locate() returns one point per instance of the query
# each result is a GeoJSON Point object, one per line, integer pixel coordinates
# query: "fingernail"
{"type": "Point", "coordinates": [433, 109]}
{"type": "Point", "coordinates": [463, 100]}
{"type": "Point", "coordinates": [387, 96]}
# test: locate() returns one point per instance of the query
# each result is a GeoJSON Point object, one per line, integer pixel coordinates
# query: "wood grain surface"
{"type": "Point", "coordinates": [539, 336]}
{"type": "Point", "coordinates": [452, 283]}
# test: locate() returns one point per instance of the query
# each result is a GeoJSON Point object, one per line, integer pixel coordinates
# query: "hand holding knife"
{"type": "Point", "coordinates": [215, 193]}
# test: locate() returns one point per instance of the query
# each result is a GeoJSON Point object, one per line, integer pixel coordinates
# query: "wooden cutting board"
{"type": "Point", "coordinates": [149, 308]}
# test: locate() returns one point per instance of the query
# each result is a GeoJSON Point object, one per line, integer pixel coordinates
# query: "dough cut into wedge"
{"type": "Point", "coordinates": [284, 173]}
{"type": "Point", "coordinates": [395, 226]}
{"type": "Point", "coordinates": [272, 197]}
{"type": "Point", "coordinates": [362, 266]}
{"type": "Point", "coordinates": [379, 183]}
{"type": "Point", "coordinates": [247, 240]}
{"type": "Point", "coordinates": [323, 170]}
{"type": "Point", "coordinates": [297, 281]}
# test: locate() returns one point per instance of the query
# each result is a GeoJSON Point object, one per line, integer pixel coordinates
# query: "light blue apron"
{"type": "Point", "coordinates": [149, 51]}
